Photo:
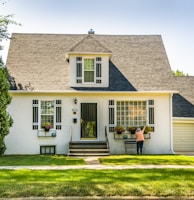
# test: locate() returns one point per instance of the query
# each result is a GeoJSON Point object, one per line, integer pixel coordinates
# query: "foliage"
{"type": "Point", "coordinates": [47, 125]}
{"type": "Point", "coordinates": [132, 129]}
{"type": "Point", "coordinates": [179, 73]}
{"type": "Point", "coordinates": [4, 22]}
{"type": "Point", "coordinates": [119, 129]}
{"type": "Point", "coordinates": [148, 129]}
{"type": "Point", "coordinates": [5, 99]}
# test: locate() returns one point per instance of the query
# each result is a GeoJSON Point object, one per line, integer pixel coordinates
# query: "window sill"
{"type": "Point", "coordinates": [128, 136]}
{"type": "Point", "coordinates": [43, 133]}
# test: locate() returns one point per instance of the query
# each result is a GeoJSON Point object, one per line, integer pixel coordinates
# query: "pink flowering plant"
{"type": "Point", "coordinates": [47, 125]}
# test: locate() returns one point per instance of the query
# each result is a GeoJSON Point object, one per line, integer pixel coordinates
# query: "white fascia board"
{"type": "Point", "coordinates": [68, 54]}
{"type": "Point", "coordinates": [83, 91]}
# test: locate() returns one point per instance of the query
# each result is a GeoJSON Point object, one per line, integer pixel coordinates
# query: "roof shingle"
{"type": "Point", "coordinates": [39, 60]}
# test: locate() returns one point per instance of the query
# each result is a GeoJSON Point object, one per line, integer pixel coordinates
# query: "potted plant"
{"type": "Point", "coordinates": [148, 129]}
{"type": "Point", "coordinates": [119, 129]}
{"type": "Point", "coordinates": [47, 126]}
{"type": "Point", "coordinates": [132, 129]}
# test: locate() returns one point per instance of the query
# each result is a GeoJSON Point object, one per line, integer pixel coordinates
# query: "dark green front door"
{"type": "Point", "coordinates": [88, 120]}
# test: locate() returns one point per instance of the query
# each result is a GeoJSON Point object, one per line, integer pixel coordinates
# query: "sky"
{"type": "Point", "coordinates": [172, 19]}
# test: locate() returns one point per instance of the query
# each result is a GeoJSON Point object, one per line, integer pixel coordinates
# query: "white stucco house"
{"type": "Point", "coordinates": [85, 85]}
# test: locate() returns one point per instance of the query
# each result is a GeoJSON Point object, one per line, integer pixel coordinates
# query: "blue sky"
{"type": "Point", "coordinates": [173, 19]}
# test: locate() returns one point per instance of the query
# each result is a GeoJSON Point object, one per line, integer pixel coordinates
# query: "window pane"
{"type": "Point", "coordinates": [88, 76]}
{"type": "Point", "coordinates": [47, 107]}
{"type": "Point", "coordinates": [79, 70]}
{"type": "Point", "coordinates": [47, 118]}
{"type": "Point", "coordinates": [47, 112]}
{"type": "Point", "coordinates": [133, 113]}
{"type": "Point", "coordinates": [88, 64]}
{"type": "Point", "coordinates": [98, 70]}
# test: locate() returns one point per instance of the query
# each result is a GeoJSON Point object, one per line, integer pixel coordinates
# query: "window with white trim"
{"type": "Point", "coordinates": [88, 70]}
{"type": "Point", "coordinates": [46, 111]}
{"type": "Point", "coordinates": [131, 113]}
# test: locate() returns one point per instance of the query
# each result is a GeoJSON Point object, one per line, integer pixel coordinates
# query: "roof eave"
{"type": "Point", "coordinates": [82, 91]}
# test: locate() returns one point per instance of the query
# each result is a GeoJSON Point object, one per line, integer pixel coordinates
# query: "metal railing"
{"type": "Point", "coordinates": [106, 137]}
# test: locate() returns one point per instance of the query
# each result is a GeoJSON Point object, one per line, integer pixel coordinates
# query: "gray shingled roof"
{"type": "Point", "coordinates": [39, 60]}
{"type": "Point", "coordinates": [89, 44]}
{"type": "Point", "coordinates": [183, 103]}
{"type": "Point", "coordinates": [138, 63]}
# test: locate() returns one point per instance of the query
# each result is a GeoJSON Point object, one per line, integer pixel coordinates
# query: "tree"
{"type": "Point", "coordinates": [179, 73]}
{"type": "Point", "coordinates": [5, 99]}
{"type": "Point", "coordinates": [6, 120]}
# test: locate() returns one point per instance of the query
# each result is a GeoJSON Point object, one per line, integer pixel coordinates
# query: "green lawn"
{"type": "Point", "coordinates": [134, 182]}
{"type": "Point", "coordinates": [27, 160]}
{"type": "Point", "coordinates": [126, 182]}
{"type": "Point", "coordinates": [148, 159]}
{"type": "Point", "coordinates": [31, 160]}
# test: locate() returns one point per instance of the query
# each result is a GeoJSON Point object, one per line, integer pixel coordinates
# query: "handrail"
{"type": "Point", "coordinates": [106, 136]}
{"type": "Point", "coordinates": [71, 134]}
{"type": "Point", "coordinates": [70, 139]}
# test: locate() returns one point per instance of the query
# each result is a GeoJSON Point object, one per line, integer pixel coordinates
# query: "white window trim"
{"type": "Point", "coordinates": [95, 78]}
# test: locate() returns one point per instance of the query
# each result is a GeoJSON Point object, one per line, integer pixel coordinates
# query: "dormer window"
{"type": "Point", "coordinates": [88, 70]}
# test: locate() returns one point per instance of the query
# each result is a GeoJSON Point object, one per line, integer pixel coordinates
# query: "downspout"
{"type": "Point", "coordinates": [171, 123]}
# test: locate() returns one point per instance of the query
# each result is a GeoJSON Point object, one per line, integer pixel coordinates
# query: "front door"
{"type": "Point", "coordinates": [88, 121]}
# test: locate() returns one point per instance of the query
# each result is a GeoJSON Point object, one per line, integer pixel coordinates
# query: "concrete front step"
{"type": "Point", "coordinates": [89, 148]}
{"type": "Point", "coordinates": [89, 154]}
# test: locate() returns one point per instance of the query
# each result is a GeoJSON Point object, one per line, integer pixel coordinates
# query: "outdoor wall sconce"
{"type": "Point", "coordinates": [75, 101]}
{"type": "Point", "coordinates": [74, 111]}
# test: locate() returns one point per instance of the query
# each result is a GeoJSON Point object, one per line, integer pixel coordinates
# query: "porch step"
{"type": "Point", "coordinates": [89, 148]}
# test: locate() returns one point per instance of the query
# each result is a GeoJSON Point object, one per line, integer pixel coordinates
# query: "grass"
{"type": "Point", "coordinates": [32, 160]}
{"type": "Point", "coordinates": [135, 182]}
{"type": "Point", "coordinates": [105, 183]}
{"type": "Point", "coordinates": [148, 159]}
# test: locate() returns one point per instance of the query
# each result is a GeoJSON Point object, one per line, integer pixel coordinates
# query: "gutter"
{"type": "Point", "coordinates": [87, 92]}
{"type": "Point", "coordinates": [171, 124]}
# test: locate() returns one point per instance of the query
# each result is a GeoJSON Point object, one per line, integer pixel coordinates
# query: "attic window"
{"type": "Point", "coordinates": [88, 70]}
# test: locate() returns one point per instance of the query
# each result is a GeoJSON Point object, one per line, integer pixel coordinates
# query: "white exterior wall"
{"type": "Point", "coordinates": [23, 140]}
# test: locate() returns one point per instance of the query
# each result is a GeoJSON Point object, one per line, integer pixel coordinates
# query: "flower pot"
{"type": "Point", "coordinates": [46, 129]}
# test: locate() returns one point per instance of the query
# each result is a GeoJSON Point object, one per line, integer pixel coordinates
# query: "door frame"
{"type": "Point", "coordinates": [97, 120]}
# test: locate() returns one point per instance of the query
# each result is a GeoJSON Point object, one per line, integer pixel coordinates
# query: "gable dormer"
{"type": "Point", "coordinates": [89, 63]}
